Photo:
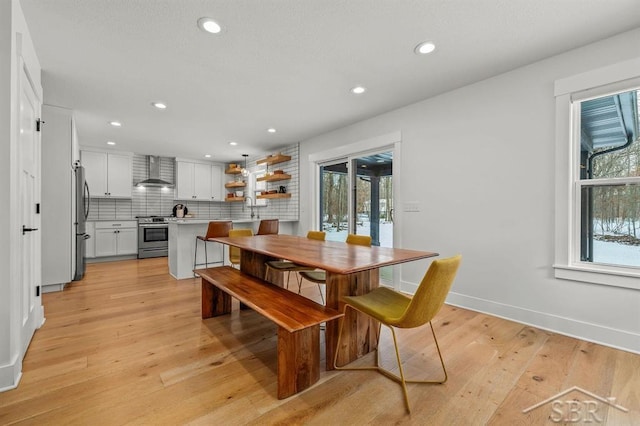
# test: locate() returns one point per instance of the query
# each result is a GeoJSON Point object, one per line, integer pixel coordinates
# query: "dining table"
{"type": "Point", "coordinates": [350, 270]}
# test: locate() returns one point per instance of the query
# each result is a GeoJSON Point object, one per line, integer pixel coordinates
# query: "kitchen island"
{"type": "Point", "coordinates": [182, 241]}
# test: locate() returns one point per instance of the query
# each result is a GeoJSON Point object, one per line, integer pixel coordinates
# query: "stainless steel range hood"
{"type": "Point", "coordinates": [154, 181]}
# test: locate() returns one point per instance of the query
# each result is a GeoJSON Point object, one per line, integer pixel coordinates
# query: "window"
{"type": "Point", "coordinates": [608, 184]}
{"type": "Point", "coordinates": [598, 177]}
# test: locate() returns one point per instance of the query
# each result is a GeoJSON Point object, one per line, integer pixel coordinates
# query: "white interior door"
{"type": "Point", "coordinates": [29, 181]}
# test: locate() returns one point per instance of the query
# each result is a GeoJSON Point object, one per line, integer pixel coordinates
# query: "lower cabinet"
{"type": "Point", "coordinates": [116, 238]}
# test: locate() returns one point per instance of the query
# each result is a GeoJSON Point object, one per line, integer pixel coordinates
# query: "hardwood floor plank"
{"type": "Point", "coordinates": [127, 346]}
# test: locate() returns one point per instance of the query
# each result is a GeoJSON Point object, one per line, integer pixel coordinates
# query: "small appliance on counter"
{"type": "Point", "coordinates": [180, 210]}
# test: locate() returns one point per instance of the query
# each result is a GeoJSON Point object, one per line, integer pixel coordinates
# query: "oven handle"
{"type": "Point", "coordinates": [154, 225]}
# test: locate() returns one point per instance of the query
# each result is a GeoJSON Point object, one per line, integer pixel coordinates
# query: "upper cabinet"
{"type": "Point", "coordinates": [109, 174]}
{"type": "Point", "coordinates": [198, 181]}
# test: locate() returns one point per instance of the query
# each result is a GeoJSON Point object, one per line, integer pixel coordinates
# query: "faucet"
{"type": "Point", "coordinates": [251, 205]}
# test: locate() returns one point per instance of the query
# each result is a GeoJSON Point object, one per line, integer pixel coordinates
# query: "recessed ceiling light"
{"type": "Point", "coordinates": [207, 156]}
{"type": "Point", "coordinates": [424, 48]}
{"type": "Point", "coordinates": [111, 143]}
{"type": "Point", "coordinates": [209, 25]}
{"type": "Point", "coordinates": [159, 105]}
{"type": "Point", "coordinates": [232, 143]}
{"type": "Point", "coordinates": [358, 90]}
{"type": "Point", "coordinates": [271, 130]}
{"type": "Point", "coordinates": [115, 123]}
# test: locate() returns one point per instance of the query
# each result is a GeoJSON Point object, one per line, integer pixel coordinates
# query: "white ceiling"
{"type": "Point", "coordinates": [288, 64]}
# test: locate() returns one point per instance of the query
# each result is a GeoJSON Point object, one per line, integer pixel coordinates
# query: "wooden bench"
{"type": "Point", "coordinates": [297, 317]}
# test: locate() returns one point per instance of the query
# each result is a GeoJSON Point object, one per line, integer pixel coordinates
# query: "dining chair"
{"type": "Point", "coordinates": [288, 266]}
{"type": "Point", "coordinates": [215, 229]}
{"type": "Point", "coordinates": [268, 226]}
{"type": "Point", "coordinates": [395, 310]}
{"type": "Point", "coordinates": [234, 252]}
{"type": "Point", "coordinates": [320, 277]}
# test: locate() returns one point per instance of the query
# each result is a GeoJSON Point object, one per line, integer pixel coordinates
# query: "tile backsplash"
{"type": "Point", "coordinates": [160, 202]}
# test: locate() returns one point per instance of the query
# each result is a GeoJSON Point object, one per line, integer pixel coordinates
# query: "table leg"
{"type": "Point", "coordinates": [254, 264]}
{"type": "Point", "coordinates": [359, 333]}
{"type": "Point", "coordinates": [298, 360]}
{"type": "Point", "coordinates": [214, 301]}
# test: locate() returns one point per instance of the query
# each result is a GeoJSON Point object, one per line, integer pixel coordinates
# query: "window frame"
{"type": "Point", "coordinates": [568, 93]}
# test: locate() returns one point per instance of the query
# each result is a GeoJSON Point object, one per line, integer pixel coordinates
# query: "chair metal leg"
{"type": "Point", "coordinates": [288, 278]}
{"type": "Point", "coordinates": [299, 283]}
{"type": "Point", "coordinates": [195, 257]}
{"type": "Point", "coordinates": [321, 296]}
{"type": "Point", "coordinates": [400, 379]}
{"type": "Point", "coordinates": [206, 259]}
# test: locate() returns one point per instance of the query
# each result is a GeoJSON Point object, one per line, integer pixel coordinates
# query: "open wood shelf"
{"type": "Point", "coordinates": [278, 195]}
{"type": "Point", "coordinates": [234, 171]}
{"type": "Point", "coordinates": [274, 177]}
{"type": "Point", "coordinates": [274, 159]}
{"type": "Point", "coordinates": [235, 185]}
{"type": "Point", "coordinates": [232, 199]}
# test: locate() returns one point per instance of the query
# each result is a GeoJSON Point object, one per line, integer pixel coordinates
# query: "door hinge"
{"type": "Point", "coordinates": [39, 123]}
{"type": "Point", "coordinates": [38, 291]}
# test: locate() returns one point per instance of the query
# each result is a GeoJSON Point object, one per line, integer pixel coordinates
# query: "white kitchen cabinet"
{"type": "Point", "coordinates": [200, 181]}
{"type": "Point", "coordinates": [217, 186]}
{"type": "Point", "coordinates": [184, 180]}
{"type": "Point", "coordinates": [58, 201]}
{"type": "Point", "coordinates": [128, 241]}
{"type": "Point", "coordinates": [109, 175]}
{"type": "Point", "coordinates": [116, 238]}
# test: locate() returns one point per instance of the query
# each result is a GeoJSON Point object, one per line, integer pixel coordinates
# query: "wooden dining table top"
{"type": "Point", "coordinates": [332, 256]}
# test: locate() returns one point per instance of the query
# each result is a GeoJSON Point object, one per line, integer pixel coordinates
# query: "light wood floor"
{"type": "Point", "coordinates": [127, 346]}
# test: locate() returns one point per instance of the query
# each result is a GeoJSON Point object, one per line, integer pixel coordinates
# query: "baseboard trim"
{"type": "Point", "coordinates": [10, 375]}
{"type": "Point", "coordinates": [615, 338]}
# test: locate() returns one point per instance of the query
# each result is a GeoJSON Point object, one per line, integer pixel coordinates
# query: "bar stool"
{"type": "Point", "coordinates": [234, 252]}
{"type": "Point", "coordinates": [215, 229]}
{"type": "Point", "coordinates": [268, 227]}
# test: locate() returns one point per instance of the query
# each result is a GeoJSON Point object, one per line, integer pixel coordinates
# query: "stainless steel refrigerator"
{"type": "Point", "coordinates": [82, 213]}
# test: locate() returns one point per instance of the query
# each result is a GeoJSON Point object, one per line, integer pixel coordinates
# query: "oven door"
{"type": "Point", "coordinates": [153, 235]}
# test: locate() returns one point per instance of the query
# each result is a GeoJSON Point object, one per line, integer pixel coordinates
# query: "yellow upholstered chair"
{"type": "Point", "coordinates": [289, 267]}
{"type": "Point", "coordinates": [394, 309]}
{"type": "Point", "coordinates": [234, 252]}
{"type": "Point", "coordinates": [320, 277]}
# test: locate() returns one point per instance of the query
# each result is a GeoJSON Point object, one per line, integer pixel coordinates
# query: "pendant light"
{"type": "Point", "coordinates": [245, 171]}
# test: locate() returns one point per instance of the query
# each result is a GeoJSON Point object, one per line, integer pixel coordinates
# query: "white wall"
{"type": "Point", "coordinates": [5, 120]}
{"type": "Point", "coordinates": [14, 40]}
{"type": "Point", "coordinates": [480, 162]}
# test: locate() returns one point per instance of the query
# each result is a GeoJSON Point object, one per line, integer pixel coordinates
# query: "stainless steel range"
{"type": "Point", "coordinates": [153, 237]}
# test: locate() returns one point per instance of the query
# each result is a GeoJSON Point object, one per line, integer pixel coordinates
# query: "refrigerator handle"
{"type": "Point", "coordinates": [86, 213]}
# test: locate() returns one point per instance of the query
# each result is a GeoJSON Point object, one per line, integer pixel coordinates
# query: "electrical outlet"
{"type": "Point", "coordinates": [411, 206]}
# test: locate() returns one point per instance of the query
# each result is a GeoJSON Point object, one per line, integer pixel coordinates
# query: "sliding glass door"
{"type": "Point", "coordinates": [334, 200]}
{"type": "Point", "coordinates": [356, 196]}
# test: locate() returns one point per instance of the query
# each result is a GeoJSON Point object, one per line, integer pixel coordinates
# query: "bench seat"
{"type": "Point", "coordinates": [298, 320]}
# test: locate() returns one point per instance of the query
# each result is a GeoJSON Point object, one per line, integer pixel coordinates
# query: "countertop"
{"type": "Point", "coordinates": [195, 220]}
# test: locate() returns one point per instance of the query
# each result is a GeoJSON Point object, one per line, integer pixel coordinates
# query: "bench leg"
{"type": "Point", "coordinates": [214, 301]}
{"type": "Point", "coordinates": [298, 360]}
